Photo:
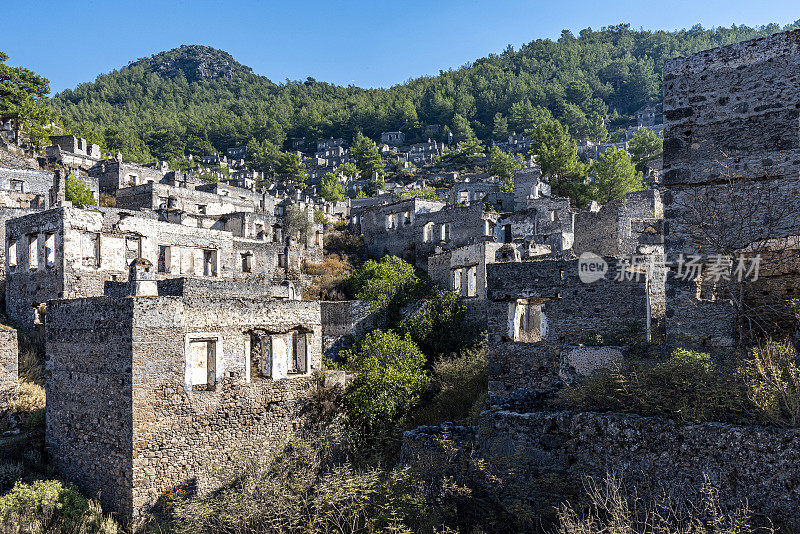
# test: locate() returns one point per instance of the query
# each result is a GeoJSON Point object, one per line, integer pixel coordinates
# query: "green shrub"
{"type": "Point", "coordinates": [442, 327]}
{"type": "Point", "coordinates": [48, 506]}
{"type": "Point", "coordinates": [381, 282]}
{"type": "Point", "coordinates": [390, 380]}
{"type": "Point", "coordinates": [457, 390]}
{"type": "Point", "coordinates": [9, 474]}
{"type": "Point", "coordinates": [302, 488]}
{"type": "Point", "coordinates": [78, 192]}
{"type": "Point", "coordinates": [773, 382]}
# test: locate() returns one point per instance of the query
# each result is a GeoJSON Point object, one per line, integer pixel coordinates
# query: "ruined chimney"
{"type": "Point", "coordinates": [142, 279]}
{"type": "Point", "coordinates": [58, 193]}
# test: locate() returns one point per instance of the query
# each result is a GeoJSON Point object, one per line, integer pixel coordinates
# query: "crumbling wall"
{"type": "Point", "coordinates": [568, 312]}
{"type": "Point", "coordinates": [731, 153]}
{"type": "Point", "coordinates": [92, 247]}
{"type": "Point", "coordinates": [8, 364]}
{"type": "Point", "coordinates": [753, 465]}
{"type": "Point", "coordinates": [88, 384]}
{"type": "Point", "coordinates": [344, 321]}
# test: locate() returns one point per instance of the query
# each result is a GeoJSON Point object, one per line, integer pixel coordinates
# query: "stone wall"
{"type": "Point", "coordinates": [8, 364]}
{"type": "Point", "coordinates": [759, 466]}
{"type": "Point", "coordinates": [124, 419]}
{"type": "Point", "coordinates": [623, 227]}
{"type": "Point", "coordinates": [731, 160]}
{"type": "Point", "coordinates": [344, 321]}
{"type": "Point", "coordinates": [88, 382]}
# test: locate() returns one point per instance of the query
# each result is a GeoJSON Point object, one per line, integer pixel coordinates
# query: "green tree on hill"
{"type": "Point", "coordinates": [615, 176]}
{"type": "Point", "coordinates": [78, 192]}
{"type": "Point", "coordinates": [331, 189]}
{"type": "Point", "coordinates": [503, 166]}
{"type": "Point", "coordinates": [368, 158]}
{"type": "Point", "coordinates": [291, 168]}
{"type": "Point", "coordinates": [557, 155]}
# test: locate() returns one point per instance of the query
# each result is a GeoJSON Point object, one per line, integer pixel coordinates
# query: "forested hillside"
{"type": "Point", "coordinates": [196, 99]}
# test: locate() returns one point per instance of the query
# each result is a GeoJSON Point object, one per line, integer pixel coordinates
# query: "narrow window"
{"type": "Point", "coordinates": [11, 254]}
{"type": "Point", "coordinates": [247, 262]}
{"type": "Point", "coordinates": [209, 263]}
{"type": "Point", "coordinates": [202, 363]}
{"type": "Point", "coordinates": [299, 352]}
{"type": "Point", "coordinates": [164, 258]}
{"type": "Point", "coordinates": [472, 281]}
{"type": "Point", "coordinates": [260, 356]}
{"type": "Point", "coordinates": [50, 249]}
{"type": "Point", "coordinates": [529, 323]}
{"type": "Point", "coordinates": [457, 280]}
{"type": "Point", "coordinates": [507, 233]}
{"type": "Point", "coordinates": [33, 251]}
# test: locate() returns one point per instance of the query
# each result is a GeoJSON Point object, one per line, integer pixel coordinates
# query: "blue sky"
{"type": "Point", "coordinates": [367, 43]}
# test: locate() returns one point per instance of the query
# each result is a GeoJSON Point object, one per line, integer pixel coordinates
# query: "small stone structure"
{"type": "Point", "coordinates": [345, 321]}
{"type": "Point", "coordinates": [148, 393]}
{"type": "Point", "coordinates": [539, 310]}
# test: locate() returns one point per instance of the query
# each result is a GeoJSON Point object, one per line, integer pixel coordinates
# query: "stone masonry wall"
{"type": "Point", "coordinates": [731, 113]}
{"type": "Point", "coordinates": [343, 320]}
{"type": "Point", "coordinates": [8, 364]}
{"type": "Point", "coordinates": [194, 438]}
{"type": "Point", "coordinates": [756, 465]}
{"type": "Point", "coordinates": [89, 406]}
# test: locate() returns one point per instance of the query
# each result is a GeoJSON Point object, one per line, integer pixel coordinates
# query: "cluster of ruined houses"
{"type": "Point", "coordinates": [178, 344]}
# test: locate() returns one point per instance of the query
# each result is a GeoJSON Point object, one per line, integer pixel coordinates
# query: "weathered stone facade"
{"type": "Point", "coordinates": [463, 269]}
{"type": "Point", "coordinates": [731, 167]}
{"type": "Point", "coordinates": [8, 364]}
{"type": "Point", "coordinates": [756, 465]}
{"type": "Point", "coordinates": [71, 253]}
{"type": "Point", "coordinates": [539, 310]}
{"type": "Point", "coordinates": [149, 393]}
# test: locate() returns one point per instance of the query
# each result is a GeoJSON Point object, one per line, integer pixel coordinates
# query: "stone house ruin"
{"type": "Point", "coordinates": [731, 171]}
{"type": "Point", "coordinates": [393, 138]}
{"type": "Point", "coordinates": [113, 174]}
{"type": "Point", "coordinates": [72, 151]}
{"type": "Point", "coordinates": [540, 313]}
{"type": "Point", "coordinates": [622, 227]}
{"type": "Point", "coordinates": [150, 393]}
{"type": "Point", "coordinates": [68, 252]}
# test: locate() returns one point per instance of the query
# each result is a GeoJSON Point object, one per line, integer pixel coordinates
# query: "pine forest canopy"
{"type": "Point", "coordinates": [195, 99]}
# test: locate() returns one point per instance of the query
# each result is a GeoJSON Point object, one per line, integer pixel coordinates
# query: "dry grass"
{"type": "Point", "coordinates": [29, 398]}
{"type": "Point", "coordinates": [328, 276]}
{"type": "Point", "coordinates": [611, 510]}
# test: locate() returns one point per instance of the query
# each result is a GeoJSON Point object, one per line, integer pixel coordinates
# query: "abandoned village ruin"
{"type": "Point", "coordinates": [178, 339]}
